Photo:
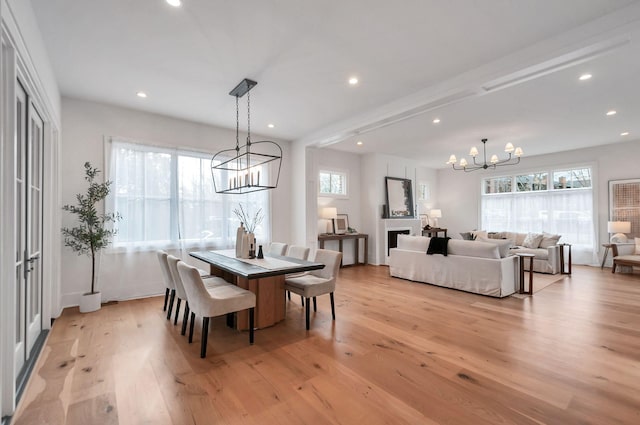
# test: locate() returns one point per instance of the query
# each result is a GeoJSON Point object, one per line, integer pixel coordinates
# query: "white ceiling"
{"type": "Point", "coordinates": [416, 60]}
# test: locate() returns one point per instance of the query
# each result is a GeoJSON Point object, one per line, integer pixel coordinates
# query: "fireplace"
{"type": "Point", "coordinates": [392, 238]}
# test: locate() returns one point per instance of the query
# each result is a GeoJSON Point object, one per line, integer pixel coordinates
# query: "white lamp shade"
{"type": "Point", "coordinates": [329, 213]}
{"type": "Point", "coordinates": [463, 162]}
{"type": "Point", "coordinates": [494, 159]}
{"type": "Point", "coordinates": [452, 159]}
{"type": "Point", "coordinates": [435, 213]}
{"type": "Point", "coordinates": [509, 147]}
{"type": "Point", "coordinates": [619, 226]}
{"type": "Point", "coordinates": [518, 152]}
{"type": "Point", "coordinates": [473, 151]}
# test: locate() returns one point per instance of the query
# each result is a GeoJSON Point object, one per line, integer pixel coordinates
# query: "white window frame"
{"type": "Point", "coordinates": [175, 242]}
{"type": "Point", "coordinates": [343, 174]}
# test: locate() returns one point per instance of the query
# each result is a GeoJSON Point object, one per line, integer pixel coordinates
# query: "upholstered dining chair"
{"type": "Point", "coordinates": [301, 253]}
{"type": "Point", "coordinates": [209, 282]}
{"type": "Point", "coordinates": [214, 301]}
{"type": "Point", "coordinates": [277, 248]}
{"type": "Point", "coordinates": [317, 282]}
{"type": "Point", "coordinates": [170, 293]}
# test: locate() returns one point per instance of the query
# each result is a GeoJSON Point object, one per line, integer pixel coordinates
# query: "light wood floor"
{"type": "Point", "coordinates": [398, 353]}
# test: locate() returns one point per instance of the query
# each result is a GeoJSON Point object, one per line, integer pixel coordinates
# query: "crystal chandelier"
{"type": "Point", "coordinates": [251, 167]}
{"type": "Point", "coordinates": [463, 165]}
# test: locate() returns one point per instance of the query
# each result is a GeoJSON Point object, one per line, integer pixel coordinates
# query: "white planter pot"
{"type": "Point", "coordinates": [90, 302]}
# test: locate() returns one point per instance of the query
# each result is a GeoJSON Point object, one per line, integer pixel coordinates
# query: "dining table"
{"type": "Point", "coordinates": [262, 276]}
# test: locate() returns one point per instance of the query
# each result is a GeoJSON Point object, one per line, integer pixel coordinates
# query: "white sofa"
{"type": "Point", "coordinates": [547, 254]}
{"type": "Point", "coordinates": [471, 266]}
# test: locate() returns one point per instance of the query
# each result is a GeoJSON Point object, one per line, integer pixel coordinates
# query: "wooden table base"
{"type": "Point", "coordinates": [270, 299]}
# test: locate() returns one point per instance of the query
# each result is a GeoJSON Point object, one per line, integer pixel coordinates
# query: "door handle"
{"type": "Point", "coordinates": [32, 259]}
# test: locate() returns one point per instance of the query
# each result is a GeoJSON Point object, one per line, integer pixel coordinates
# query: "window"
{"type": "Point", "coordinates": [166, 199]}
{"type": "Point", "coordinates": [332, 183]}
{"type": "Point", "coordinates": [563, 206]}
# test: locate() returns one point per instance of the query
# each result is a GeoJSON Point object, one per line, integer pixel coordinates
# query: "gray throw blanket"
{"type": "Point", "coordinates": [438, 246]}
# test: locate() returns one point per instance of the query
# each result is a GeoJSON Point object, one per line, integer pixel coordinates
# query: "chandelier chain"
{"type": "Point", "coordinates": [237, 126]}
{"type": "Point", "coordinates": [248, 118]}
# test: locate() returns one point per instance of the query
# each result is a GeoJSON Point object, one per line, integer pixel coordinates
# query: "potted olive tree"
{"type": "Point", "coordinates": [92, 232]}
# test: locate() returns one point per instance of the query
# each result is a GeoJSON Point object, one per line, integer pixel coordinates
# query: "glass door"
{"type": "Point", "coordinates": [28, 226]}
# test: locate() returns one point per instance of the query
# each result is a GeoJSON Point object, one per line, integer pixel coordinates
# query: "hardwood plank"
{"type": "Point", "coordinates": [399, 352]}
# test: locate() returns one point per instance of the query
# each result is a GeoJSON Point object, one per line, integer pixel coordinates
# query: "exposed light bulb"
{"type": "Point", "coordinates": [625, 133]}
{"type": "Point", "coordinates": [611, 112]}
{"type": "Point", "coordinates": [271, 125]}
{"type": "Point", "coordinates": [436, 121]}
{"type": "Point", "coordinates": [141, 94]}
{"type": "Point", "coordinates": [175, 3]}
{"type": "Point", "coordinates": [353, 81]}
{"type": "Point", "coordinates": [359, 143]}
{"type": "Point", "coordinates": [585, 77]}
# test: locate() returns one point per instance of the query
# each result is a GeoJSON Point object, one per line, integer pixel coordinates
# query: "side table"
{"type": "Point", "coordinates": [607, 247]}
{"type": "Point", "coordinates": [562, 266]}
{"type": "Point", "coordinates": [346, 236]}
{"type": "Point", "coordinates": [523, 257]}
{"type": "Point", "coordinates": [433, 231]}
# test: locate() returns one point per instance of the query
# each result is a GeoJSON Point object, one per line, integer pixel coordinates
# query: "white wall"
{"type": "Point", "coordinates": [373, 169]}
{"type": "Point", "coordinates": [85, 124]}
{"type": "Point", "coordinates": [349, 163]}
{"type": "Point", "coordinates": [459, 192]}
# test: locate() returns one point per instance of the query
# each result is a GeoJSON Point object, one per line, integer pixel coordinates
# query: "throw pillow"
{"type": "Point", "coordinates": [467, 236]}
{"type": "Point", "coordinates": [503, 245]}
{"type": "Point", "coordinates": [479, 233]}
{"type": "Point", "coordinates": [549, 240]}
{"type": "Point", "coordinates": [637, 245]}
{"type": "Point", "coordinates": [532, 240]}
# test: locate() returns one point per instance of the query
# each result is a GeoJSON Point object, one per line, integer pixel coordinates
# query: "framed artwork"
{"type": "Point", "coordinates": [399, 198]}
{"type": "Point", "coordinates": [624, 203]}
{"type": "Point", "coordinates": [424, 220]}
{"type": "Point", "coordinates": [342, 224]}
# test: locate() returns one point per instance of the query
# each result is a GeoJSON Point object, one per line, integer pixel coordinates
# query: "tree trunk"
{"type": "Point", "coordinates": [93, 270]}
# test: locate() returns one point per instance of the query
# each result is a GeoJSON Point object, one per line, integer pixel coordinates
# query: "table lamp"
{"type": "Point", "coordinates": [435, 215]}
{"type": "Point", "coordinates": [330, 213]}
{"type": "Point", "coordinates": [619, 228]}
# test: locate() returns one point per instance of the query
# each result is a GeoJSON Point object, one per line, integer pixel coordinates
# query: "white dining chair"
{"type": "Point", "coordinates": [277, 248]}
{"type": "Point", "coordinates": [170, 293]}
{"type": "Point", "coordinates": [181, 293]}
{"type": "Point", "coordinates": [214, 301]}
{"type": "Point", "coordinates": [317, 282]}
{"type": "Point", "coordinates": [301, 253]}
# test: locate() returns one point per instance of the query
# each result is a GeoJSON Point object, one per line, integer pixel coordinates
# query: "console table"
{"type": "Point", "coordinates": [356, 236]}
{"type": "Point", "coordinates": [434, 232]}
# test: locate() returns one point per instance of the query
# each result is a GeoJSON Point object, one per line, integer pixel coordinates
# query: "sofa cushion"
{"type": "Point", "coordinates": [549, 240]}
{"type": "Point", "coordinates": [532, 240]}
{"type": "Point", "coordinates": [637, 246]}
{"type": "Point", "coordinates": [413, 243]}
{"type": "Point", "coordinates": [473, 249]}
{"type": "Point", "coordinates": [502, 244]}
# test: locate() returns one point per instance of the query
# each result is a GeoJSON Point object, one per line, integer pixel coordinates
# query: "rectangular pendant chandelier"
{"type": "Point", "coordinates": [251, 167]}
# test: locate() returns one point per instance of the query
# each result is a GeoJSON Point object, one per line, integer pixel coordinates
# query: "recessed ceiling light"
{"type": "Point", "coordinates": [359, 143]}
{"type": "Point", "coordinates": [353, 81]}
{"type": "Point", "coordinates": [175, 3]}
{"type": "Point", "coordinates": [271, 125]}
{"type": "Point", "coordinates": [611, 112]}
{"type": "Point", "coordinates": [436, 121]}
{"type": "Point", "coordinates": [141, 94]}
{"type": "Point", "coordinates": [626, 133]}
{"type": "Point", "coordinates": [585, 77]}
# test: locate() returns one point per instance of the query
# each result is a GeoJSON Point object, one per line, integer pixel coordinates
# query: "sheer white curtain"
{"type": "Point", "coordinates": [167, 200]}
{"type": "Point", "coordinates": [568, 213]}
